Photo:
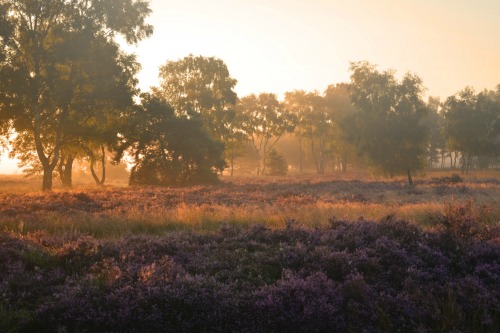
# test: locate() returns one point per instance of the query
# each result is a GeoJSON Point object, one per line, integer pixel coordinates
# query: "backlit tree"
{"type": "Point", "coordinates": [41, 74]}
{"type": "Point", "coordinates": [387, 127]}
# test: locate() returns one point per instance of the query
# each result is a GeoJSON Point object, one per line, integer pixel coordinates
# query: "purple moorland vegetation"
{"type": "Point", "coordinates": [389, 276]}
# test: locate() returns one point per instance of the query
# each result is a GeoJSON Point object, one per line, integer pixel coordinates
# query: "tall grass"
{"type": "Point", "coordinates": [309, 201]}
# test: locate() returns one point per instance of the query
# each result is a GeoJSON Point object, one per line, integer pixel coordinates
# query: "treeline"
{"type": "Point", "coordinates": [68, 93]}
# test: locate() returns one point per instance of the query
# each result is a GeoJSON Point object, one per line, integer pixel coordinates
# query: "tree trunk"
{"type": "Point", "coordinates": [99, 182]}
{"type": "Point", "coordinates": [48, 166]}
{"type": "Point", "coordinates": [314, 155]}
{"type": "Point", "coordinates": [344, 163]}
{"type": "Point", "coordinates": [264, 158]}
{"type": "Point", "coordinates": [410, 180]}
{"type": "Point", "coordinates": [464, 163]}
{"type": "Point", "coordinates": [321, 162]}
{"type": "Point", "coordinates": [469, 162]}
{"type": "Point", "coordinates": [322, 156]}
{"type": "Point", "coordinates": [300, 154]}
{"type": "Point", "coordinates": [258, 163]}
{"type": "Point", "coordinates": [232, 166]}
{"type": "Point", "coordinates": [47, 179]}
{"type": "Point", "coordinates": [65, 170]}
{"type": "Point", "coordinates": [68, 173]}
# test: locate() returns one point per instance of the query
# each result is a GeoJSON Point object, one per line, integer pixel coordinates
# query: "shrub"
{"type": "Point", "coordinates": [353, 276]}
{"type": "Point", "coordinates": [169, 149]}
{"type": "Point", "coordinates": [276, 164]}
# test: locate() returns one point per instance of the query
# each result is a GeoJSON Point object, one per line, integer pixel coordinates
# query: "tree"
{"type": "Point", "coordinates": [200, 86]}
{"type": "Point", "coordinates": [236, 141]}
{"type": "Point", "coordinates": [41, 63]}
{"type": "Point", "coordinates": [319, 126]}
{"type": "Point", "coordinates": [99, 104]}
{"type": "Point", "coordinates": [296, 103]}
{"type": "Point", "coordinates": [276, 164]}
{"type": "Point", "coordinates": [472, 125]}
{"type": "Point", "coordinates": [338, 101]}
{"type": "Point", "coordinates": [197, 85]}
{"type": "Point", "coordinates": [435, 123]}
{"type": "Point", "coordinates": [168, 148]}
{"type": "Point", "coordinates": [100, 107]}
{"type": "Point", "coordinates": [265, 121]}
{"type": "Point", "coordinates": [387, 127]}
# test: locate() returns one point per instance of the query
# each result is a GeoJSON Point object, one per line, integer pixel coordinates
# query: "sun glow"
{"type": "Point", "coordinates": [270, 46]}
{"type": "Point", "coordinates": [279, 46]}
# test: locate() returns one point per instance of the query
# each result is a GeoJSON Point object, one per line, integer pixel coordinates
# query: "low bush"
{"type": "Point", "coordinates": [359, 276]}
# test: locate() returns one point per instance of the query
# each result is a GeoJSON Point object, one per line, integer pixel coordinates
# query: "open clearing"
{"type": "Point", "coordinates": [310, 201]}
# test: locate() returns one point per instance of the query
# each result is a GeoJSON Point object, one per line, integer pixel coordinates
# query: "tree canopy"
{"type": "Point", "coordinates": [43, 70]}
{"type": "Point", "coordinates": [167, 148]}
{"type": "Point", "coordinates": [265, 121]}
{"type": "Point", "coordinates": [472, 124]}
{"type": "Point", "coordinates": [200, 85]}
{"type": "Point", "coordinates": [68, 93]}
{"type": "Point", "coordinates": [388, 126]}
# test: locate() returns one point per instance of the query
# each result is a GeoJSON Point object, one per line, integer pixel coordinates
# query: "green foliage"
{"type": "Point", "coordinates": [472, 124]}
{"type": "Point", "coordinates": [200, 86]}
{"type": "Point", "coordinates": [169, 149]}
{"type": "Point", "coordinates": [98, 107]}
{"type": "Point", "coordinates": [276, 164]}
{"type": "Point", "coordinates": [338, 101]}
{"type": "Point", "coordinates": [264, 120]}
{"type": "Point", "coordinates": [388, 126]}
{"type": "Point", "coordinates": [314, 123]}
{"type": "Point", "coordinates": [52, 68]}
{"type": "Point", "coordinates": [435, 123]}
{"type": "Point", "coordinates": [317, 126]}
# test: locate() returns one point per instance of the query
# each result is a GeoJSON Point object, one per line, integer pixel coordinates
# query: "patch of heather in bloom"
{"type": "Point", "coordinates": [352, 276]}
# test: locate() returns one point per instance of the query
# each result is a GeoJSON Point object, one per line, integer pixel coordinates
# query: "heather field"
{"type": "Point", "coordinates": [346, 253]}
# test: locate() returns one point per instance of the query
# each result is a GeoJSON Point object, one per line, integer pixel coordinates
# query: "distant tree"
{"type": "Point", "coordinates": [169, 149]}
{"type": "Point", "coordinates": [314, 123]}
{"type": "Point", "coordinates": [42, 68]}
{"type": "Point", "coordinates": [197, 85]}
{"type": "Point", "coordinates": [320, 126]}
{"type": "Point", "coordinates": [265, 121]}
{"type": "Point", "coordinates": [276, 164]}
{"type": "Point", "coordinates": [437, 142]}
{"type": "Point", "coordinates": [472, 125]}
{"type": "Point", "coordinates": [236, 140]}
{"type": "Point", "coordinates": [338, 101]}
{"type": "Point", "coordinates": [296, 103]}
{"type": "Point", "coordinates": [387, 126]}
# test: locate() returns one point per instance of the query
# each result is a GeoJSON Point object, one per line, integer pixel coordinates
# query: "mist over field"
{"type": "Point", "coordinates": [263, 177]}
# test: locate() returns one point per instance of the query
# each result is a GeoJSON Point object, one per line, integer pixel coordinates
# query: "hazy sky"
{"type": "Point", "coordinates": [282, 45]}
{"type": "Point", "coordinates": [277, 46]}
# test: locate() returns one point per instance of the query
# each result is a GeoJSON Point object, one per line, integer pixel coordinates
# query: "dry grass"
{"type": "Point", "coordinates": [307, 200]}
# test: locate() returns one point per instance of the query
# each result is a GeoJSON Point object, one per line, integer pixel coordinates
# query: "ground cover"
{"type": "Point", "coordinates": [311, 201]}
{"type": "Point", "coordinates": [254, 255]}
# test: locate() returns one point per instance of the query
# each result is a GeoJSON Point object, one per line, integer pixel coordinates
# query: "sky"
{"type": "Point", "coordinates": [282, 45]}
{"type": "Point", "coordinates": [278, 46]}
